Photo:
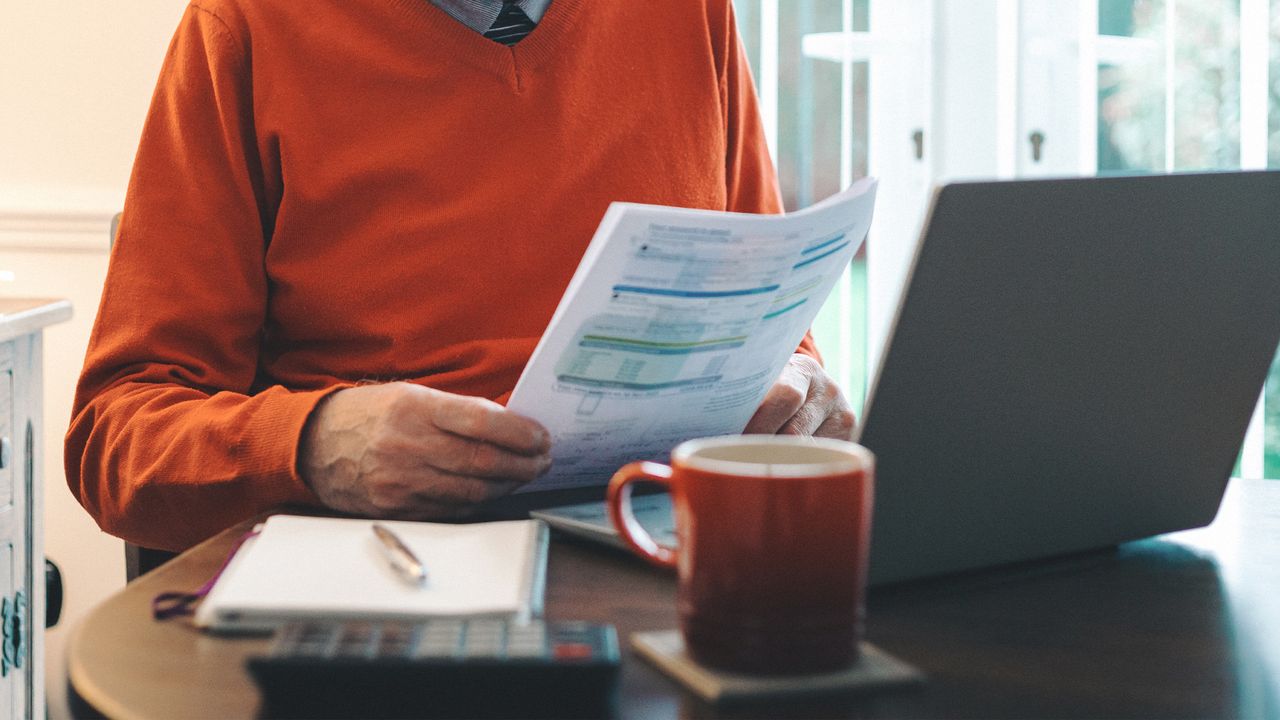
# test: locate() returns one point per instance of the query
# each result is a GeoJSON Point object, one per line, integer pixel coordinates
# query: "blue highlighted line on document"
{"type": "Point", "coordinates": [639, 290]}
{"type": "Point", "coordinates": [623, 385]}
{"type": "Point", "coordinates": [823, 243]}
{"type": "Point", "coordinates": [656, 347]}
{"type": "Point", "coordinates": [786, 309]}
{"type": "Point", "coordinates": [816, 258]}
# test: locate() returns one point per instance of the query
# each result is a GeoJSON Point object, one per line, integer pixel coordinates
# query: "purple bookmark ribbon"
{"type": "Point", "coordinates": [173, 604]}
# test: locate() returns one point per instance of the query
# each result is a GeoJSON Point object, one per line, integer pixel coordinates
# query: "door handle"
{"type": "Point", "coordinates": [1036, 138]}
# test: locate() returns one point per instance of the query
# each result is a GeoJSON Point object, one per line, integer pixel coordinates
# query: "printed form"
{"type": "Point", "coordinates": [676, 324]}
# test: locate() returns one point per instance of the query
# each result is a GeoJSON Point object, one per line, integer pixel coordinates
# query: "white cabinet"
{"type": "Point", "coordinates": [22, 581]}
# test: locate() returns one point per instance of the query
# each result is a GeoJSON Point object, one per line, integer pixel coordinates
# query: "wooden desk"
{"type": "Point", "coordinates": [1187, 625]}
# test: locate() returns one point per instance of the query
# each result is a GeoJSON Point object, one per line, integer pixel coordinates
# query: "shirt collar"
{"type": "Point", "coordinates": [480, 14]}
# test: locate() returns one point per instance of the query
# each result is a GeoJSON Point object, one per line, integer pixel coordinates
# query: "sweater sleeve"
{"type": "Point", "coordinates": [169, 443]}
{"type": "Point", "coordinates": [752, 183]}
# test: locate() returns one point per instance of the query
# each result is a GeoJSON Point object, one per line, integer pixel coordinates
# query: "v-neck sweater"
{"type": "Point", "coordinates": [328, 193]}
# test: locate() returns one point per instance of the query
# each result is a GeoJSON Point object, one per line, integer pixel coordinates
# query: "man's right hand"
{"type": "Point", "coordinates": [401, 450]}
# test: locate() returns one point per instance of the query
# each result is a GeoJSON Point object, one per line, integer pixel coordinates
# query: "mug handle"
{"type": "Point", "coordinates": [624, 519]}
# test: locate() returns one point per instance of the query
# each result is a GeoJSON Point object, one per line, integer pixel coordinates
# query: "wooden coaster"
{"type": "Point", "coordinates": [875, 669]}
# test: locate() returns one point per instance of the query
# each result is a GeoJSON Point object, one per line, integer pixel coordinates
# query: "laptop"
{"type": "Point", "coordinates": [1073, 365]}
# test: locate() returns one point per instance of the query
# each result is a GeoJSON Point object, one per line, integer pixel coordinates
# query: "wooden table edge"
{"type": "Point", "coordinates": [79, 680]}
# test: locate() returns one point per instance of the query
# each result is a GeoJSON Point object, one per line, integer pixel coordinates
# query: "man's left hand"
{"type": "Point", "coordinates": [804, 401]}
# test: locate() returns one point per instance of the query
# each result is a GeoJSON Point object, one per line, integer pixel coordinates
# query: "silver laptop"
{"type": "Point", "coordinates": [1073, 365]}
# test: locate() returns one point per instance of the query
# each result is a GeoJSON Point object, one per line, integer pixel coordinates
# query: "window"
{"type": "Point", "coordinates": [916, 92]}
{"type": "Point", "coordinates": [841, 101]}
{"type": "Point", "coordinates": [815, 113]}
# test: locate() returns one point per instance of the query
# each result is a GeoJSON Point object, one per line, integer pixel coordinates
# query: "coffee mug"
{"type": "Point", "coordinates": [773, 533]}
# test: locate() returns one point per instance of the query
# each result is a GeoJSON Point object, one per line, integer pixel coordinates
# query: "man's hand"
{"type": "Point", "coordinates": [401, 450]}
{"type": "Point", "coordinates": [804, 401]}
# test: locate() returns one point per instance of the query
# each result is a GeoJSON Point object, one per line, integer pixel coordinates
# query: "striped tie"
{"type": "Point", "coordinates": [511, 26]}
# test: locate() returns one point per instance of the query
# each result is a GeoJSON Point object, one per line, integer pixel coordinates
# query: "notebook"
{"type": "Point", "coordinates": [300, 568]}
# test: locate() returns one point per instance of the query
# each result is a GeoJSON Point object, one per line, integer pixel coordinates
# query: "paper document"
{"type": "Point", "coordinates": [675, 325]}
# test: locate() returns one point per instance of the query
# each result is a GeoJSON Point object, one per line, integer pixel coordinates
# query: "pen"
{"type": "Point", "coordinates": [403, 561]}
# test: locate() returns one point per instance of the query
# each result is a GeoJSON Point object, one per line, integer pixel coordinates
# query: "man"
{"type": "Point", "coordinates": [349, 223]}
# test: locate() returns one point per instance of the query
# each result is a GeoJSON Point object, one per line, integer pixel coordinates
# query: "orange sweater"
{"type": "Point", "coordinates": [327, 193]}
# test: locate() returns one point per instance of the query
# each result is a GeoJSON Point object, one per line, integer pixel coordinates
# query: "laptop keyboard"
{"type": "Point", "coordinates": [655, 515]}
{"type": "Point", "coordinates": [652, 511]}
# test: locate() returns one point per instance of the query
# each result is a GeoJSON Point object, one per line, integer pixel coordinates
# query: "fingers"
{"type": "Point", "coordinates": [839, 425]}
{"type": "Point", "coordinates": [481, 459]}
{"type": "Point", "coordinates": [422, 482]}
{"type": "Point", "coordinates": [806, 420]}
{"type": "Point", "coordinates": [804, 401]}
{"type": "Point", "coordinates": [780, 403]}
{"type": "Point", "coordinates": [481, 419]}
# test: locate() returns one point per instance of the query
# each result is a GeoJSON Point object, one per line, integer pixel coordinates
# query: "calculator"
{"type": "Point", "coordinates": [440, 667]}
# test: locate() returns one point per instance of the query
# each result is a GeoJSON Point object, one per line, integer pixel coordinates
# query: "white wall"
{"type": "Point", "coordinates": [75, 80]}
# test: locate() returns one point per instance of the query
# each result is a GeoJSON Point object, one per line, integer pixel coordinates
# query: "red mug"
{"type": "Point", "coordinates": [773, 536]}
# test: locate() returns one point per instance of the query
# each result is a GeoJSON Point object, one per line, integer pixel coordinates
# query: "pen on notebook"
{"type": "Point", "coordinates": [403, 561]}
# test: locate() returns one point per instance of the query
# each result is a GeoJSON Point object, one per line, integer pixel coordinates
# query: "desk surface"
{"type": "Point", "coordinates": [1186, 625]}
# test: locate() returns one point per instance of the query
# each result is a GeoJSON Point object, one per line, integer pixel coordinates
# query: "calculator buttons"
{"type": "Point", "coordinates": [446, 668]}
{"type": "Point", "coordinates": [358, 640]}
{"type": "Point", "coordinates": [439, 639]}
{"type": "Point", "coordinates": [311, 640]}
{"type": "Point", "coordinates": [486, 627]}
{"type": "Point", "coordinates": [436, 648]}
{"type": "Point", "coordinates": [443, 626]}
{"type": "Point", "coordinates": [534, 632]}
{"type": "Point", "coordinates": [396, 641]}
{"type": "Point", "coordinates": [448, 635]}
{"type": "Point", "coordinates": [484, 649]}
{"type": "Point", "coordinates": [446, 639]}
{"type": "Point", "coordinates": [526, 651]}
{"type": "Point", "coordinates": [572, 651]}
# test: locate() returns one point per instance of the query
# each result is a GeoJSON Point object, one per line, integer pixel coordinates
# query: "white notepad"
{"type": "Point", "coordinates": [330, 568]}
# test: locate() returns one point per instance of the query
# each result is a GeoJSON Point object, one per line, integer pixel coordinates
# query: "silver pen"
{"type": "Point", "coordinates": [403, 561]}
